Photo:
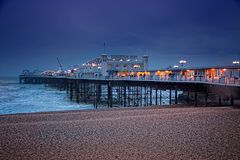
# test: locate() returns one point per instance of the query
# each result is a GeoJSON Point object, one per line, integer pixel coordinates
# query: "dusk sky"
{"type": "Point", "coordinates": [34, 32]}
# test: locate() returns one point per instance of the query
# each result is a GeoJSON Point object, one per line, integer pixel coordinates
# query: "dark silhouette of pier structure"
{"type": "Point", "coordinates": [127, 93]}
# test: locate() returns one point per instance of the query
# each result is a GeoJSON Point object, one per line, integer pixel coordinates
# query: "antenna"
{"type": "Point", "coordinates": [60, 65]}
{"type": "Point", "coordinates": [104, 47]}
{"type": "Point", "coordinates": [144, 49]}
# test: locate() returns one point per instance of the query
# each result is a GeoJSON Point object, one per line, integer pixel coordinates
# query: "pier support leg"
{"type": "Point", "coordinates": [77, 91]}
{"type": "Point", "coordinates": [71, 91]}
{"type": "Point", "coordinates": [145, 96]}
{"type": "Point", "coordinates": [206, 99]}
{"type": "Point", "coordinates": [160, 97]}
{"type": "Point", "coordinates": [141, 97]}
{"type": "Point", "coordinates": [232, 101]}
{"type": "Point", "coordinates": [98, 94]}
{"type": "Point", "coordinates": [195, 99]}
{"type": "Point", "coordinates": [109, 96]}
{"type": "Point", "coordinates": [170, 96]}
{"type": "Point", "coordinates": [150, 96]}
{"type": "Point", "coordinates": [156, 97]}
{"type": "Point", "coordinates": [124, 96]}
{"type": "Point", "coordinates": [67, 87]}
{"type": "Point", "coordinates": [84, 93]}
{"type": "Point", "coordinates": [219, 100]}
{"type": "Point", "coordinates": [176, 97]}
{"type": "Point", "coordinates": [137, 96]}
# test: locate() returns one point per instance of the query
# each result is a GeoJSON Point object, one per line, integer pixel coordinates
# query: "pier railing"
{"type": "Point", "coordinates": [221, 80]}
{"type": "Point", "coordinates": [214, 80]}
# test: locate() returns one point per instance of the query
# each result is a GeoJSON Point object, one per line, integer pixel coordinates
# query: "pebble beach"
{"type": "Point", "coordinates": [125, 134]}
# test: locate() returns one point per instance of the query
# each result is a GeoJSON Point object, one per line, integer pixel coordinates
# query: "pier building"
{"type": "Point", "coordinates": [128, 67]}
{"type": "Point", "coordinates": [113, 66]}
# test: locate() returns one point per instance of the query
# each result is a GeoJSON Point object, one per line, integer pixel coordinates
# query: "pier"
{"type": "Point", "coordinates": [132, 93]}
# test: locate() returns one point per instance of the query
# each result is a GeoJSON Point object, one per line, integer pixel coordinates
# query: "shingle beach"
{"type": "Point", "coordinates": [129, 134]}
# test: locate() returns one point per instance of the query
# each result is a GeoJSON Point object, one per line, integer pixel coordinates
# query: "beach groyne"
{"type": "Point", "coordinates": [127, 93]}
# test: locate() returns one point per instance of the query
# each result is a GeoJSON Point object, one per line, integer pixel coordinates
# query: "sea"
{"type": "Point", "coordinates": [28, 98]}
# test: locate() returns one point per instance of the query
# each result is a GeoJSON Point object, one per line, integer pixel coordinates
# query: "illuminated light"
{"type": "Point", "coordinates": [182, 61]}
{"type": "Point", "coordinates": [132, 73]}
{"type": "Point", "coordinates": [128, 60]}
{"type": "Point", "coordinates": [212, 69]}
{"type": "Point", "coordinates": [175, 66]}
{"type": "Point", "coordinates": [136, 66]}
{"type": "Point", "coordinates": [158, 73]}
{"type": "Point", "coordinates": [94, 65]}
{"type": "Point", "coordinates": [84, 64]}
{"type": "Point", "coordinates": [235, 62]}
{"type": "Point", "coordinates": [224, 69]}
{"type": "Point", "coordinates": [99, 67]}
{"type": "Point", "coordinates": [121, 60]}
{"type": "Point", "coordinates": [188, 70]}
{"type": "Point", "coordinates": [166, 71]}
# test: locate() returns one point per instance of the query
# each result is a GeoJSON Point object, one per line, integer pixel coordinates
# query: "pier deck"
{"type": "Point", "coordinates": [126, 93]}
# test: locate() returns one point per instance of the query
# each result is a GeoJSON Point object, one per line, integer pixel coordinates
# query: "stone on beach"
{"type": "Point", "coordinates": [172, 133]}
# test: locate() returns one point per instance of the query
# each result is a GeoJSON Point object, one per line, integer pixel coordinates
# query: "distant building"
{"type": "Point", "coordinates": [114, 66]}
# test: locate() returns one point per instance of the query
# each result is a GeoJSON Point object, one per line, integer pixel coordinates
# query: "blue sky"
{"type": "Point", "coordinates": [33, 33]}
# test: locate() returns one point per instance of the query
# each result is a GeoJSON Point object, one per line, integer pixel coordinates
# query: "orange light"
{"type": "Point", "coordinates": [212, 69]}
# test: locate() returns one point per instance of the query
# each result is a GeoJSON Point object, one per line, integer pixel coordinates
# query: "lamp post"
{"type": "Point", "coordinates": [182, 62]}
{"type": "Point", "coordinates": [236, 63]}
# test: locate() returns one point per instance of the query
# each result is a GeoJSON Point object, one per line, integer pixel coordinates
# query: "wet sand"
{"type": "Point", "coordinates": [172, 133]}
